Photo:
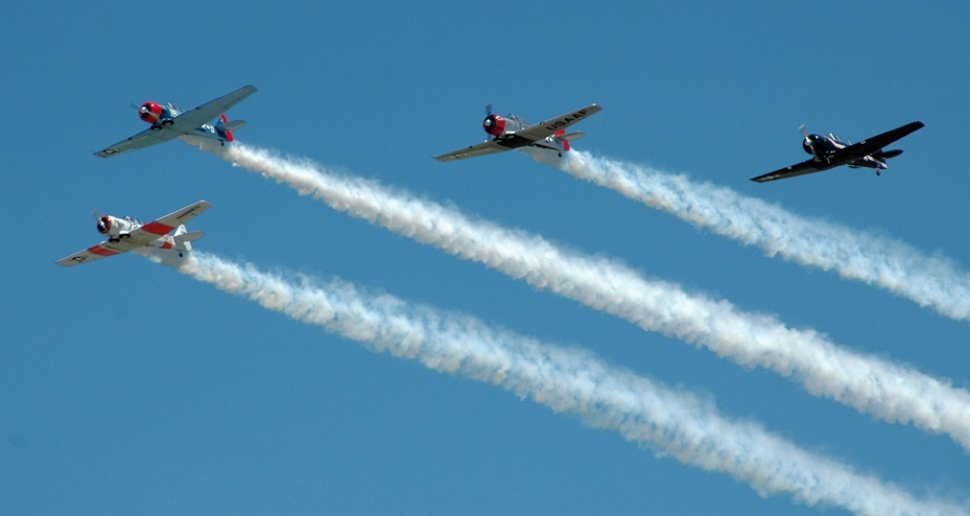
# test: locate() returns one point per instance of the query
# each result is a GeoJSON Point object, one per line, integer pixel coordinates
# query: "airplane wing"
{"type": "Point", "coordinates": [549, 127]}
{"type": "Point", "coordinates": [138, 238]}
{"type": "Point", "coordinates": [163, 226]}
{"type": "Point", "coordinates": [146, 138]}
{"type": "Point", "coordinates": [96, 252]}
{"type": "Point", "coordinates": [486, 147]}
{"type": "Point", "coordinates": [182, 124]}
{"type": "Point", "coordinates": [188, 121]}
{"type": "Point", "coordinates": [798, 169]}
{"type": "Point", "coordinates": [868, 146]}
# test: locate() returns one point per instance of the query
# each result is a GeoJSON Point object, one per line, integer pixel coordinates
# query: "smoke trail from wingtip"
{"type": "Point", "coordinates": [675, 423]}
{"type": "Point", "coordinates": [888, 264]}
{"type": "Point", "coordinates": [871, 385]}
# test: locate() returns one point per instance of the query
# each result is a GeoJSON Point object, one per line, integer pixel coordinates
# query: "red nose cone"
{"type": "Point", "coordinates": [150, 112]}
{"type": "Point", "coordinates": [494, 125]}
{"type": "Point", "coordinates": [104, 224]}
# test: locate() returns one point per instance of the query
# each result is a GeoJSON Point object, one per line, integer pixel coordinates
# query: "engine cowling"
{"type": "Point", "coordinates": [113, 226]}
{"type": "Point", "coordinates": [494, 125]}
{"type": "Point", "coordinates": [153, 112]}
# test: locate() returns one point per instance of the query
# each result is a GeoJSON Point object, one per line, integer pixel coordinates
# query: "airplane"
{"type": "Point", "coordinates": [511, 132]}
{"type": "Point", "coordinates": [170, 122]}
{"type": "Point", "coordinates": [831, 151]}
{"type": "Point", "coordinates": [128, 234]}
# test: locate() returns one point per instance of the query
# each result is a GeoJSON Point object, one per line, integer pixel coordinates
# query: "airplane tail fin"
{"type": "Point", "coordinates": [226, 127]}
{"type": "Point", "coordinates": [562, 136]}
{"type": "Point", "coordinates": [559, 137]}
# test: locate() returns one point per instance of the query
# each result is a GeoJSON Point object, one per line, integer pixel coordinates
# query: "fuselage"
{"type": "Point", "coordinates": [503, 130]}
{"type": "Point", "coordinates": [824, 148]}
{"type": "Point", "coordinates": [118, 228]}
{"type": "Point", "coordinates": [161, 116]}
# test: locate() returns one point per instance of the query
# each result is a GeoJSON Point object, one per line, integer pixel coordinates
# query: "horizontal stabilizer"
{"type": "Point", "coordinates": [234, 125]}
{"type": "Point", "coordinates": [569, 137]}
{"type": "Point", "coordinates": [189, 237]}
{"type": "Point", "coordinates": [887, 154]}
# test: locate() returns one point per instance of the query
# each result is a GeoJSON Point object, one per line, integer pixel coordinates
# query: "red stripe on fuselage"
{"type": "Point", "coordinates": [156, 228]}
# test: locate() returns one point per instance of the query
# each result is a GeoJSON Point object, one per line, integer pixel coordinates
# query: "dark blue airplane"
{"type": "Point", "coordinates": [831, 151]}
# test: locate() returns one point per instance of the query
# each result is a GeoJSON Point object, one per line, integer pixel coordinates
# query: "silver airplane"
{"type": "Point", "coordinates": [170, 122]}
{"type": "Point", "coordinates": [128, 234]}
{"type": "Point", "coordinates": [511, 132]}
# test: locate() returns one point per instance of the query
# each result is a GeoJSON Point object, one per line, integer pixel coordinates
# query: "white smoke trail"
{"type": "Point", "coordinates": [568, 380]}
{"type": "Point", "coordinates": [889, 264]}
{"type": "Point", "coordinates": [869, 384]}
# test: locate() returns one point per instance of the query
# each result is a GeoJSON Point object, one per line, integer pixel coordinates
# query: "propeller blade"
{"type": "Point", "coordinates": [807, 141]}
{"type": "Point", "coordinates": [488, 109]}
{"type": "Point", "coordinates": [95, 214]}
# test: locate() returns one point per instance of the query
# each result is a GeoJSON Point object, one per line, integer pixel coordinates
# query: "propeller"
{"type": "Point", "coordinates": [488, 109]}
{"type": "Point", "coordinates": [807, 141]}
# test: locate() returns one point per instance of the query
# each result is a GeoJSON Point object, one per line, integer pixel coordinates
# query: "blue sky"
{"type": "Point", "coordinates": [127, 387]}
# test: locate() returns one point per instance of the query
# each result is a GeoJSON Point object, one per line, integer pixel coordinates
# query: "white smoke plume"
{"type": "Point", "coordinates": [573, 381]}
{"type": "Point", "coordinates": [874, 260]}
{"type": "Point", "coordinates": [875, 386]}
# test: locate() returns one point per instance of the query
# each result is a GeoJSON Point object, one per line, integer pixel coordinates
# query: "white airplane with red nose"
{"type": "Point", "coordinates": [170, 122]}
{"type": "Point", "coordinates": [512, 132]}
{"type": "Point", "coordinates": [128, 234]}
